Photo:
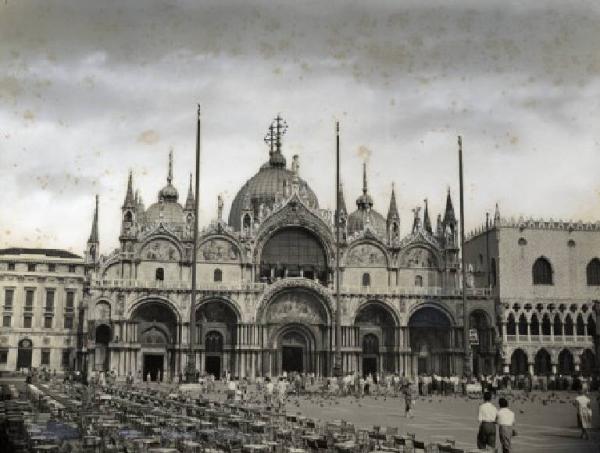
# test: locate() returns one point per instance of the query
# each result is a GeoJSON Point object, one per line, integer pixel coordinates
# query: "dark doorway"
{"type": "Point", "coordinates": [369, 365]}
{"type": "Point", "coordinates": [24, 354]}
{"type": "Point", "coordinates": [422, 365]}
{"type": "Point", "coordinates": [153, 365]}
{"type": "Point", "coordinates": [212, 365]}
{"type": "Point", "coordinates": [291, 358]}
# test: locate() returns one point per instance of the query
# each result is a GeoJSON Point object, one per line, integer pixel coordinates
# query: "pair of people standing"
{"type": "Point", "coordinates": [489, 417]}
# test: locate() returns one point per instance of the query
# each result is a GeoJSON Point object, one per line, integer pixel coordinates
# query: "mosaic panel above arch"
{"type": "Point", "coordinates": [366, 255]}
{"type": "Point", "coordinates": [296, 306]}
{"type": "Point", "coordinates": [218, 250]}
{"type": "Point", "coordinates": [418, 257]}
{"type": "Point", "coordinates": [160, 250]}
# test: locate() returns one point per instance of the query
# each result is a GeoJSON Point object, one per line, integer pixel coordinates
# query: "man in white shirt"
{"type": "Point", "coordinates": [506, 422]}
{"type": "Point", "coordinates": [486, 437]}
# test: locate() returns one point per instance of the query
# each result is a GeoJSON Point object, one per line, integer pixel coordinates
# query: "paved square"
{"type": "Point", "coordinates": [544, 423]}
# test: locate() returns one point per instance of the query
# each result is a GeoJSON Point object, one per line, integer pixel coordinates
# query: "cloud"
{"type": "Point", "coordinates": [89, 90]}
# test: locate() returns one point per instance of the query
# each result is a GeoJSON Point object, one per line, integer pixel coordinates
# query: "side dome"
{"type": "Point", "coordinates": [270, 184]}
{"type": "Point", "coordinates": [169, 193]}
{"type": "Point", "coordinates": [359, 219]}
{"type": "Point", "coordinates": [165, 213]}
{"type": "Point", "coordinates": [365, 214]}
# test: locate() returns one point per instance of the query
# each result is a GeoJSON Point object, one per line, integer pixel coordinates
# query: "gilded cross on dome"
{"type": "Point", "coordinates": [277, 130]}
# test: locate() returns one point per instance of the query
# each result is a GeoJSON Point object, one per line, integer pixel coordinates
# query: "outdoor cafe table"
{"type": "Point", "coordinates": [258, 426]}
{"type": "Point", "coordinates": [251, 448]}
{"type": "Point", "coordinates": [45, 448]}
{"type": "Point", "coordinates": [344, 446]}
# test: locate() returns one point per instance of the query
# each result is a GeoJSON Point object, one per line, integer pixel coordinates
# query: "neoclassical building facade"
{"type": "Point", "coordinates": [266, 301]}
{"type": "Point", "coordinates": [41, 296]}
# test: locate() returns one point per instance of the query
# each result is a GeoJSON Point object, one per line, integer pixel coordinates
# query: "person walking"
{"type": "Point", "coordinates": [408, 400]}
{"type": "Point", "coordinates": [584, 413]}
{"type": "Point", "coordinates": [486, 437]}
{"type": "Point", "coordinates": [505, 420]}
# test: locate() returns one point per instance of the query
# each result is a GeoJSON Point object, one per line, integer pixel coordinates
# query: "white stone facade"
{"type": "Point", "coordinates": [41, 294]}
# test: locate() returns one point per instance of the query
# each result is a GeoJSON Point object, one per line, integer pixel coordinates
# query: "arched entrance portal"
{"type": "Point", "coordinates": [518, 362]}
{"type": "Point", "coordinates": [217, 328]}
{"type": "Point", "coordinates": [157, 330]}
{"type": "Point", "coordinates": [370, 350]}
{"type": "Point", "coordinates": [376, 324]}
{"type": "Point", "coordinates": [430, 341]}
{"type": "Point", "coordinates": [296, 321]}
{"type": "Point", "coordinates": [543, 363]}
{"type": "Point", "coordinates": [213, 345]}
{"type": "Point", "coordinates": [101, 354]}
{"type": "Point", "coordinates": [565, 362]}
{"type": "Point", "coordinates": [24, 354]}
{"type": "Point", "coordinates": [294, 352]}
{"type": "Point", "coordinates": [588, 363]}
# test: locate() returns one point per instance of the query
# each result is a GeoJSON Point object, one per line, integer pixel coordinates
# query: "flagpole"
{"type": "Point", "coordinates": [190, 370]}
{"type": "Point", "coordinates": [466, 339]}
{"type": "Point", "coordinates": [337, 369]}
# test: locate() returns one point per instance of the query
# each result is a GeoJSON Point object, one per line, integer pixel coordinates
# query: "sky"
{"type": "Point", "coordinates": [92, 89]}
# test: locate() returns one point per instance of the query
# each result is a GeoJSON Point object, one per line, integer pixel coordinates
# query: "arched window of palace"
{"type": "Point", "coordinates": [511, 327]}
{"type": "Point", "coordinates": [293, 252]}
{"type": "Point", "coordinates": [568, 325]}
{"type": "Point", "coordinates": [593, 272]}
{"type": "Point", "coordinates": [128, 217]}
{"type": "Point", "coordinates": [522, 324]}
{"type": "Point", "coordinates": [366, 279]}
{"type": "Point", "coordinates": [418, 280]}
{"type": "Point", "coordinates": [565, 362]}
{"type": "Point", "coordinates": [546, 325]}
{"type": "Point", "coordinates": [160, 274]}
{"type": "Point", "coordinates": [542, 272]}
{"type": "Point", "coordinates": [591, 327]}
{"type": "Point", "coordinates": [493, 273]}
{"type": "Point", "coordinates": [558, 330]}
{"type": "Point", "coordinates": [534, 328]}
{"type": "Point", "coordinates": [218, 275]}
{"type": "Point", "coordinates": [580, 326]}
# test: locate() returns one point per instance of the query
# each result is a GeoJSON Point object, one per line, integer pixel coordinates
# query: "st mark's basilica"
{"type": "Point", "coordinates": [266, 300]}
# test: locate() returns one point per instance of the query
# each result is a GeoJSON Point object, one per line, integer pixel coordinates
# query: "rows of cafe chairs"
{"type": "Point", "coordinates": [146, 420]}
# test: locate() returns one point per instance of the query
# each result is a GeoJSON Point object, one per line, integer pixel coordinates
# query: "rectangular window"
{"type": "Point", "coordinates": [66, 358]}
{"type": "Point", "coordinates": [68, 322]}
{"type": "Point", "coordinates": [45, 357]}
{"type": "Point", "coordinates": [3, 355]}
{"type": "Point", "coordinates": [50, 300]}
{"type": "Point", "coordinates": [51, 267]}
{"type": "Point", "coordinates": [70, 301]}
{"type": "Point", "coordinates": [27, 321]}
{"type": "Point", "coordinates": [31, 267]}
{"type": "Point", "coordinates": [29, 299]}
{"type": "Point", "coordinates": [71, 268]}
{"type": "Point", "coordinates": [48, 322]}
{"type": "Point", "coordinates": [6, 321]}
{"type": "Point", "coordinates": [8, 299]}
{"type": "Point", "coordinates": [11, 266]}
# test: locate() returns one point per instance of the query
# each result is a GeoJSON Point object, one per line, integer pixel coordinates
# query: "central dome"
{"type": "Point", "coordinates": [266, 187]}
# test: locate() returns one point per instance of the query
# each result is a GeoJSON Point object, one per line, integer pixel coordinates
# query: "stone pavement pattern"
{"type": "Point", "coordinates": [541, 428]}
